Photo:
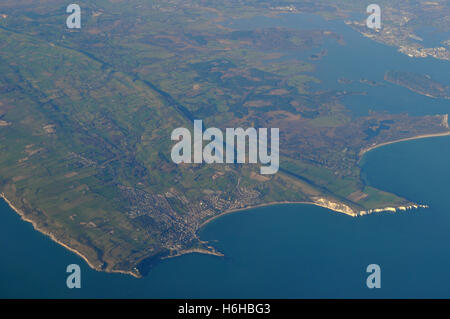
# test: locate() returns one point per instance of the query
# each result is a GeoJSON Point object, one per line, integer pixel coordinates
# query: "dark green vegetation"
{"type": "Point", "coordinates": [419, 83]}
{"type": "Point", "coordinates": [86, 117]}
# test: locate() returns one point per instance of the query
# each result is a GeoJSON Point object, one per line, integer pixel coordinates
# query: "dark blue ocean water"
{"type": "Point", "coordinates": [291, 251]}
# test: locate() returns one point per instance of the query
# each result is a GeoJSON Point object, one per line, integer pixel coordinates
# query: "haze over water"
{"type": "Point", "coordinates": [290, 251]}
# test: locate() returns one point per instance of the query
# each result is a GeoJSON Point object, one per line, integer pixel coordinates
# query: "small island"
{"type": "Point", "coordinates": [419, 83]}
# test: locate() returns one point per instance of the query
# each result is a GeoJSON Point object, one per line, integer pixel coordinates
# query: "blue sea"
{"type": "Point", "coordinates": [291, 251]}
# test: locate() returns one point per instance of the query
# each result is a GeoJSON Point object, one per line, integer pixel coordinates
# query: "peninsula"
{"type": "Point", "coordinates": [86, 118]}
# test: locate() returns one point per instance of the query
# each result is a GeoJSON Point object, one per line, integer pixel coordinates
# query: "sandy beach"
{"type": "Point", "coordinates": [236, 210]}
{"type": "Point", "coordinates": [365, 150]}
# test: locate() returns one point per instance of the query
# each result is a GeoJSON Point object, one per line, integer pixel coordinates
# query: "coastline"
{"type": "Point", "coordinates": [195, 250]}
{"type": "Point", "coordinates": [361, 153]}
{"type": "Point", "coordinates": [52, 237]}
{"type": "Point", "coordinates": [321, 202]}
{"type": "Point", "coordinates": [236, 210]}
{"type": "Point", "coordinates": [368, 149]}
